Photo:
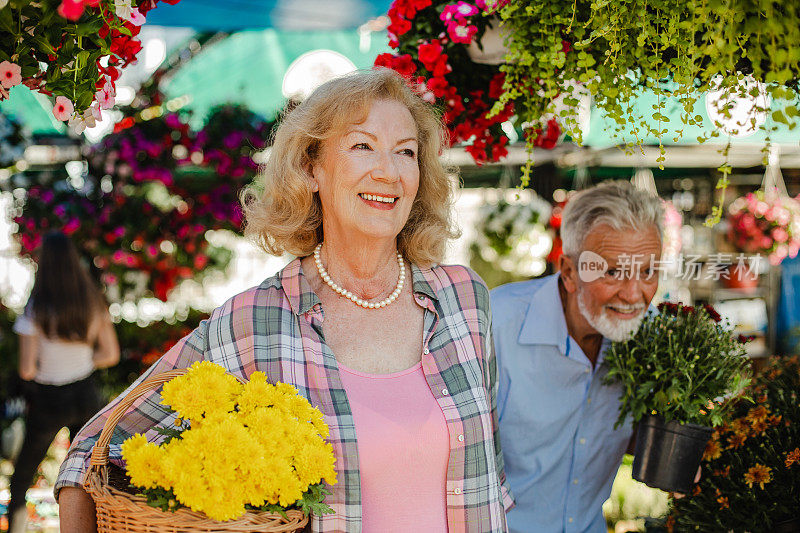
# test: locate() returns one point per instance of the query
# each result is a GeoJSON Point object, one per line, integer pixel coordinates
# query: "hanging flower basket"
{"type": "Point", "coordinates": [767, 224]}
{"type": "Point", "coordinates": [492, 49]}
{"type": "Point", "coordinates": [451, 52]}
{"type": "Point", "coordinates": [71, 50]}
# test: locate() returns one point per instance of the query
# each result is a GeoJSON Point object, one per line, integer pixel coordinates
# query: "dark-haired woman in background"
{"type": "Point", "coordinates": [65, 334]}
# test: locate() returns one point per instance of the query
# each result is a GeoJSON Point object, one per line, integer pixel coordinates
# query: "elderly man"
{"type": "Point", "coordinates": [556, 416]}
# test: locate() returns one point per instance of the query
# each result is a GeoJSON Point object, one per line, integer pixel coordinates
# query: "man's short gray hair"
{"type": "Point", "coordinates": [616, 203]}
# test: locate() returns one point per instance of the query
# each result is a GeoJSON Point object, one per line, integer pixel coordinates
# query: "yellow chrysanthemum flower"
{"type": "Point", "coordinates": [247, 445]}
{"type": "Point", "coordinates": [204, 389]}
{"type": "Point", "coordinates": [144, 461]}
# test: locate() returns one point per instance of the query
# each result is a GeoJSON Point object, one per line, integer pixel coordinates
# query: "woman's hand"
{"type": "Point", "coordinates": [76, 511]}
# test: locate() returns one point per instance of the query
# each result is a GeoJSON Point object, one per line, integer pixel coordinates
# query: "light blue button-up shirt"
{"type": "Point", "coordinates": [556, 416]}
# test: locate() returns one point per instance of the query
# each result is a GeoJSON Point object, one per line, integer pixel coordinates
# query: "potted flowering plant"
{"type": "Point", "coordinates": [751, 465]}
{"type": "Point", "coordinates": [767, 224]}
{"type": "Point", "coordinates": [678, 373]}
{"type": "Point", "coordinates": [242, 456]}
{"type": "Point", "coordinates": [437, 47]}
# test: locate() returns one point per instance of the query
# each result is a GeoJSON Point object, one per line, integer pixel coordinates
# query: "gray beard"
{"type": "Point", "coordinates": [615, 330]}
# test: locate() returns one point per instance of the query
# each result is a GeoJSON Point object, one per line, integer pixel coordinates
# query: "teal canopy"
{"type": "Point", "coordinates": [601, 126]}
{"type": "Point", "coordinates": [33, 110]}
{"type": "Point", "coordinates": [248, 67]}
{"type": "Point", "coordinates": [228, 15]}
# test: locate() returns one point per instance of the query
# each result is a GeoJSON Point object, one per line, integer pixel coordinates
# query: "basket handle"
{"type": "Point", "coordinates": [100, 450]}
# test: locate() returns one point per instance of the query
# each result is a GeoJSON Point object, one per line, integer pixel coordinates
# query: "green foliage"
{"type": "Point", "coordinates": [681, 364]}
{"type": "Point", "coordinates": [312, 502]}
{"type": "Point", "coordinates": [677, 49]}
{"type": "Point", "coordinates": [764, 436]}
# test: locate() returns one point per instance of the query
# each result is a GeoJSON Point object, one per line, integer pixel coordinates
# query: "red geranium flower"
{"type": "Point", "coordinates": [438, 86]}
{"type": "Point", "coordinates": [71, 9]}
{"type": "Point", "coordinates": [429, 53]}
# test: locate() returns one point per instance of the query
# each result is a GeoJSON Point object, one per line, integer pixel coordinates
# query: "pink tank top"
{"type": "Point", "coordinates": [403, 451]}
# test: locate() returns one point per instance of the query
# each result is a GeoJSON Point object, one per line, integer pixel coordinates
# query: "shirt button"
{"type": "Point", "coordinates": [570, 520]}
{"type": "Point", "coordinates": [589, 400]}
{"type": "Point", "coordinates": [426, 351]}
{"type": "Point", "coordinates": [583, 441]}
{"type": "Point", "coordinates": [445, 392]}
{"type": "Point", "coordinates": [574, 481]}
{"type": "Point", "coordinates": [457, 491]}
{"type": "Point", "coordinates": [461, 438]}
{"type": "Point", "coordinates": [586, 371]}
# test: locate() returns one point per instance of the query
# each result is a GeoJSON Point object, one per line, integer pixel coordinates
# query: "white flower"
{"type": "Point", "coordinates": [77, 124]}
{"type": "Point", "coordinates": [123, 9]}
{"type": "Point", "coordinates": [89, 119]}
{"type": "Point", "coordinates": [94, 111]}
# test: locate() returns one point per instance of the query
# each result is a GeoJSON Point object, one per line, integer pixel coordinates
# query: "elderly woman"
{"type": "Point", "coordinates": [393, 348]}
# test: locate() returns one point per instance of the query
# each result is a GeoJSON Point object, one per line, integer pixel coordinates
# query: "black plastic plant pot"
{"type": "Point", "coordinates": [668, 454]}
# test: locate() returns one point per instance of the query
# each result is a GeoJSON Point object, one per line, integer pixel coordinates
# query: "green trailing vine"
{"type": "Point", "coordinates": [675, 49]}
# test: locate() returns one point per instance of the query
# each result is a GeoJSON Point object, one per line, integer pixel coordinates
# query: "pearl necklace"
{"type": "Point", "coordinates": [352, 297]}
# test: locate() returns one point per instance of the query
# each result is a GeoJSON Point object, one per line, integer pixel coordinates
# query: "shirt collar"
{"type": "Point", "coordinates": [303, 299]}
{"type": "Point", "coordinates": [541, 327]}
{"type": "Point", "coordinates": [544, 320]}
{"type": "Point", "coordinates": [297, 288]}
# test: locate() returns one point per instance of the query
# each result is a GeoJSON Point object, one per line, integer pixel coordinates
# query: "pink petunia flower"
{"type": "Point", "coordinates": [780, 234]}
{"type": "Point", "coordinates": [10, 74]}
{"type": "Point", "coordinates": [461, 33]}
{"type": "Point", "coordinates": [449, 13]}
{"type": "Point", "coordinates": [63, 109]}
{"type": "Point", "coordinates": [136, 18]}
{"type": "Point", "coordinates": [466, 10]}
{"type": "Point", "coordinates": [105, 96]}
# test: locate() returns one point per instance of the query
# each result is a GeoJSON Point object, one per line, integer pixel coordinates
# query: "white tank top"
{"type": "Point", "coordinates": [59, 362]}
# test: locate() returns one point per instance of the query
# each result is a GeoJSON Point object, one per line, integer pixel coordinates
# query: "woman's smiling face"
{"type": "Point", "coordinates": [368, 176]}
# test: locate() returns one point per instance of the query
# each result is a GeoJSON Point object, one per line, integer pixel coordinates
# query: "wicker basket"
{"type": "Point", "coordinates": [118, 510]}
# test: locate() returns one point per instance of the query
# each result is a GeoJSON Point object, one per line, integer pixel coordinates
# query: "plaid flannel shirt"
{"type": "Point", "coordinates": [277, 328]}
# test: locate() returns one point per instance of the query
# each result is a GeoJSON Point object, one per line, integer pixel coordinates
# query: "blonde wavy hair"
{"type": "Point", "coordinates": [284, 214]}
